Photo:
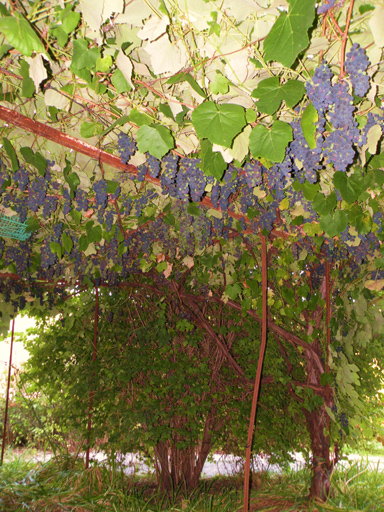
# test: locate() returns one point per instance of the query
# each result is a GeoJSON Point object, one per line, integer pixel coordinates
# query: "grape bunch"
{"type": "Point", "coordinates": [196, 178]}
{"type": "Point", "coordinates": [36, 193]}
{"type": "Point", "coordinates": [21, 176]}
{"type": "Point", "coordinates": [81, 200]}
{"type": "Point", "coordinates": [253, 174]}
{"type": "Point", "coordinates": [101, 196]}
{"type": "Point", "coordinates": [127, 147]}
{"type": "Point", "coordinates": [153, 165]}
{"type": "Point", "coordinates": [67, 201]}
{"type": "Point", "coordinates": [356, 64]}
{"type": "Point", "coordinates": [168, 174]}
{"type": "Point", "coordinates": [319, 90]}
{"type": "Point", "coordinates": [50, 205]}
{"type": "Point", "coordinates": [108, 219]}
{"type": "Point", "coordinates": [325, 6]}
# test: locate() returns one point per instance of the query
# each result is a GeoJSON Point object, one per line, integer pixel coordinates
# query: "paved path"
{"type": "Point", "coordinates": [229, 464]}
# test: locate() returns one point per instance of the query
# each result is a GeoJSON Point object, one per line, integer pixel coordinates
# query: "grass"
{"type": "Point", "coordinates": [62, 484]}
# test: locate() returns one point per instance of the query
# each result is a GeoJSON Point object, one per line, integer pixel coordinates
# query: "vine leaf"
{"type": "Point", "coordinates": [289, 35]}
{"type": "Point", "coordinates": [350, 187]}
{"type": "Point", "coordinates": [21, 35]}
{"type": "Point", "coordinates": [218, 123]}
{"type": "Point", "coordinates": [271, 94]}
{"type": "Point", "coordinates": [308, 125]}
{"type": "Point", "coordinates": [334, 224]}
{"type": "Point", "coordinates": [270, 143]}
{"type": "Point", "coordinates": [157, 140]}
{"type": "Point", "coordinates": [323, 205]}
{"type": "Point", "coordinates": [84, 57]}
{"type": "Point", "coordinates": [212, 162]}
{"type": "Point", "coordinates": [186, 77]}
{"type": "Point", "coordinates": [27, 85]}
{"type": "Point", "coordinates": [90, 129]}
{"type": "Point", "coordinates": [11, 153]}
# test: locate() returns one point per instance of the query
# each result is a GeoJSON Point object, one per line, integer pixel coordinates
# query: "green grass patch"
{"type": "Point", "coordinates": [62, 484]}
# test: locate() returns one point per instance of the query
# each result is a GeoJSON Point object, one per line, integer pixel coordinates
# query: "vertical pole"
{"type": "Point", "coordinates": [7, 396]}
{"type": "Point", "coordinates": [328, 319]}
{"type": "Point", "coordinates": [91, 393]}
{"type": "Point", "coordinates": [264, 271]}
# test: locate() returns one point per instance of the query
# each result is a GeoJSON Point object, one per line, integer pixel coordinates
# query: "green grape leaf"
{"type": "Point", "coordinates": [308, 125]}
{"type": "Point", "coordinates": [67, 242]}
{"type": "Point", "coordinates": [27, 85]}
{"type": "Point", "coordinates": [220, 84]}
{"type": "Point", "coordinates": [21, 35]}
{"type": "Point", "coordinates": [212, 162]}
{"type": "Point", "coordinates": [73, 180]}
{"type": "Point", "coordinates": [84, 57]}
{"type": "Point", "coordinates": [350, 187]}
{"type": "Point", "coordinates": [193, 209]}
{"type": "Point", "coordinates": [271, 94]}
{"type": "Point", "coordinates": [323, 205]}
{"type": "Point", "coordinates": [119, 82]}
{"type": "Point", "coordinates": [289, 35]}
{"type": "Point", "coordinates": [35, 159]}
{"type": "Point", "coordinates": [69, 19]}
{"type": "Point", "coordinates": [360, 219]}
{"type": "Point", "coordinates": [186, 77]}
{"type": "Point", "coordinates": [155, 139]}
{"type": "Point", "coordinates": [11, 153]}
{"type": "Point", "coordinates": [90, 129]}
{"type": "Point", "coordinates": [233, 290]}
{"type": "Point", "coordinates": [139, 118]}
{"type": "Point", "coordinates": [218, 123]}
{"type": "Point", "coordinates": [334, 224]}
{"type": "Point", "coordinates": [103, 64]}
{"type": "Point", "coordinates": [270, 143]}
{"type": "Point", "coordinates": [56, 249]}
{"type": "Point", "coordinates": [76, 216]}
{"type": "Point", "coordinates": [60, 34]}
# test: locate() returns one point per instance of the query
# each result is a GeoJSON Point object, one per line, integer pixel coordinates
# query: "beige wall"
{"type": "Point", "coordinates": [19, 356]}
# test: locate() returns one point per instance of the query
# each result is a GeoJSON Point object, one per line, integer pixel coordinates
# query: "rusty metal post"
{"type": "Point", "coordinates": [264, 273]}
{"type": "Point", "coordinates": [92, 392]}
{"type": "Point", "coordinates": [7, 396]}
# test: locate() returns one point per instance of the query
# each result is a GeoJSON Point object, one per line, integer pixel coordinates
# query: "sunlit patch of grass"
{"type": "Point", "coordinates": [62, 484]}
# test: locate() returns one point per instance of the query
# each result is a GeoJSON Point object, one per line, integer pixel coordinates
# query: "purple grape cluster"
{"type": "Point", "coordinates": [356, 64]}
{"type": "Point", "coordinates": [143, 200]}
{"type": "Point", "coordinates": [50, 206]}
{"type": "Point", "coordinates": [19, 256]}
{"type": "Point", "coordinates": [319, 90]}
{"type": "Point", "coordinates": [325, 6]}
{"type": "Point", "coordinates": [108, 219]}
{"type": "Point", "coordinates": [127, 204]}
{"type": "Point", "coordinates": [338, 148]}
{"type": "Point", "coordinates": [22, 178]}
{"type": "Point", "coordinates": [141, 172]}
{"type": "Point", "coordinates": [197, 180]}
{"type": "Point", "coordinates": [127, 147]}
{"type": "Point", "coordinates": [101, 196]}
{"type": "Point", "coordinates": [81, 200]}
{"type": "Point", "coordinates": [153, 165]}
{"type": "Point", "coordinates": [116, 193]}
{"type": "Point", "coordinates": [36, 193]}
{"type": "Point", "coordinates": [253, 172]}
{"type": "Point", "coordinates": [67, 201]}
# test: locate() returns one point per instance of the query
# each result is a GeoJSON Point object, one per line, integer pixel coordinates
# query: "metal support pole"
{"type": "Point", "coordinates": [92, 392]}
{"type": "Point", "coordinates": [256, 390]}
{"type": "Point", "coordinates": [7, 397]}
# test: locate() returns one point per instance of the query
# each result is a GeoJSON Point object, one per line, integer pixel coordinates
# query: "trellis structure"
{"type": "Point", "coordinates": [238, 127]}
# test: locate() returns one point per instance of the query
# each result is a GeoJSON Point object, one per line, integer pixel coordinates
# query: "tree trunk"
{"type": "Point", "coordinates": [317, 422]}
{"type": "Point", "coordinates": [176, 467]}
